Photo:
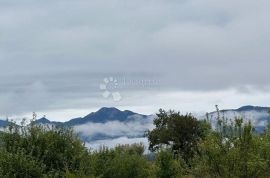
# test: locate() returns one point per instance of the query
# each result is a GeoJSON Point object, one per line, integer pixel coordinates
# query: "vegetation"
{"type": "Point", "coordinates": [180, 132]}
{"type": "Point", "coordinates": [181, 146]}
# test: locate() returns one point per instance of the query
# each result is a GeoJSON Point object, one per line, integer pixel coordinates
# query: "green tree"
{"type": "Point", "coordinates": [180, 132]}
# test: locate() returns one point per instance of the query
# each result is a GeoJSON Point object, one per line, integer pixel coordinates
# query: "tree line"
{"type": "Point", "coordinates": [180, 145]}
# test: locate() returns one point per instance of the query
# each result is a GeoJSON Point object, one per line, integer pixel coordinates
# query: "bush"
{"type": "Point", "coordinates": [19, 165]}
{"type": "Point", "coordinates": [124, 161]}
{"type": "Point", "coordinates": [237, 156]}
{"type": "Point", "coordinates": [167, 167]}
{"type": "Point", "coordinates": [57, 149]}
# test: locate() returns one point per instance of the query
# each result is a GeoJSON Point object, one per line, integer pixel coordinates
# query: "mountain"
{"type": "Point", "coordinates": [3, 123]}
{"type": "Point", "coordinates": [43, 120]}
{"type": "Point", "coordinates": [105, 115]}
{"type": "Point", "coordinates": [101, 116]}
{"type": "Point", "coordinates": [259, 116]}
{"type": "Point", "coordinates": [248, 108]}
{"type": "Point", "coordinates": [109, 124]}
{"type": "Point", "coordinates": [106, 123]}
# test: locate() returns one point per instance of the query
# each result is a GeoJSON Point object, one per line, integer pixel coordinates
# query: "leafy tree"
{"type": "Point", "coordinates": [180, 132]}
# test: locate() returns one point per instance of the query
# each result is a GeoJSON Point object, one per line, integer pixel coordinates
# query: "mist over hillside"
{"type": "Point", "coordinates": [111, 126]}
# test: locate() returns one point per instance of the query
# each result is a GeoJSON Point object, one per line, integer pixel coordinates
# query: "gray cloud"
{"type": "Point", "coordinates": [53, 55]}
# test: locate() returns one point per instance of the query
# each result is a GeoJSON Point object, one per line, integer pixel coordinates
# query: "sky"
{"type": "Point", "coordinates": [67, 58]}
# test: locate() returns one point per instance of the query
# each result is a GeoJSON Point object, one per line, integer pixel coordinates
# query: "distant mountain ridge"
{"type": "Point", "coordinates": [106, 123]}
{"type": "Point", "coordinates": [103, 115]}
{"type": "Point", "coordinates": [248, 108]}
{"type": "Point", "coordinates": [3, 123]}
{"type": "Point", "coordinates": [112, 123]}
{"type": "Point", "coordinates": [107, 114]}
{"type": "Point", "coordinates": [259, 116]}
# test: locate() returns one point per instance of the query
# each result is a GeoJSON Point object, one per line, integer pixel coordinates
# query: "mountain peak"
{"type": "Point", "coordinates": [43, 120]}
{"type": "Point", "coordinates": [251, 108]}
{"type": "Point", "coordinates": [108, 109]}
{"type": "Point", "coordinates": [103, 115]}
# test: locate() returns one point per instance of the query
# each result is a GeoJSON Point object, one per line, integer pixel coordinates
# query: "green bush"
{"type": "Point", "coordinates": [167, 167]}
{"type": "Point", "coordinates": [126, 161]}
{"type": "Point", "coordinates": [236, 156]}
{"type": "Point", "coordinates": [57, 149]}
{"type": "Point", "coordinates": [19, 165]}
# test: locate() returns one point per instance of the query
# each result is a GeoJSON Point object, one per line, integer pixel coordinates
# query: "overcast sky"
{"type": "Point", "coordinates": [57, 56]}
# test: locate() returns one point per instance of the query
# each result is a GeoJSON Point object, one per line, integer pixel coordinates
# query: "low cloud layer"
{"type": "Point", "coordinates": [257, 118]}
{"type": "Point", "coordinates": [113, 133]}
{"type": "Point", "coordinates": [114, 129]}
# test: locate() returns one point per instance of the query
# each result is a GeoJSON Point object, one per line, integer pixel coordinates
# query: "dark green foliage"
{"type": "Point", "coordinates": [184, 147]}
{"type": "Point", "coordinates": [19, 165]}
{"type": "Point", "coordinates": [56, 149]}
{"type": "Point", "coordinates": [235, 156]}
{"type": "Point", "coordinates": [127, 166]}
{"type": "Point", "coordinates": [181, 132]}
{"type": "Point", "coordinates": [123, 161]}
{"type": "Point", "coordinates": [167, 167]}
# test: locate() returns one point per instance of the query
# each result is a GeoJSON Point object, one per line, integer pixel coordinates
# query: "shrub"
{"type": "Point", "coordinates": [19, 165]}
{"type": "Point", "coordinates": [58, 149]}
{"type": "Point", "coordinates": [167, 167]}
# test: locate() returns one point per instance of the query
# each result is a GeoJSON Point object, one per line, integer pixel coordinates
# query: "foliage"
{"type": "Point", "coordinates": [236, 156]}
{"type": "Point", "coordinates": [182, 145]}
{"type": "Point", "coordinates": [167, 167]}
{"type": "Point", "coordinates": [58, 149]}
{"type": "Point", "coordinates": [19, 165]}
{"type": "Point", "coordinates": [126, 161]}
{"type": "Point", "coordinates": [180, 132]}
